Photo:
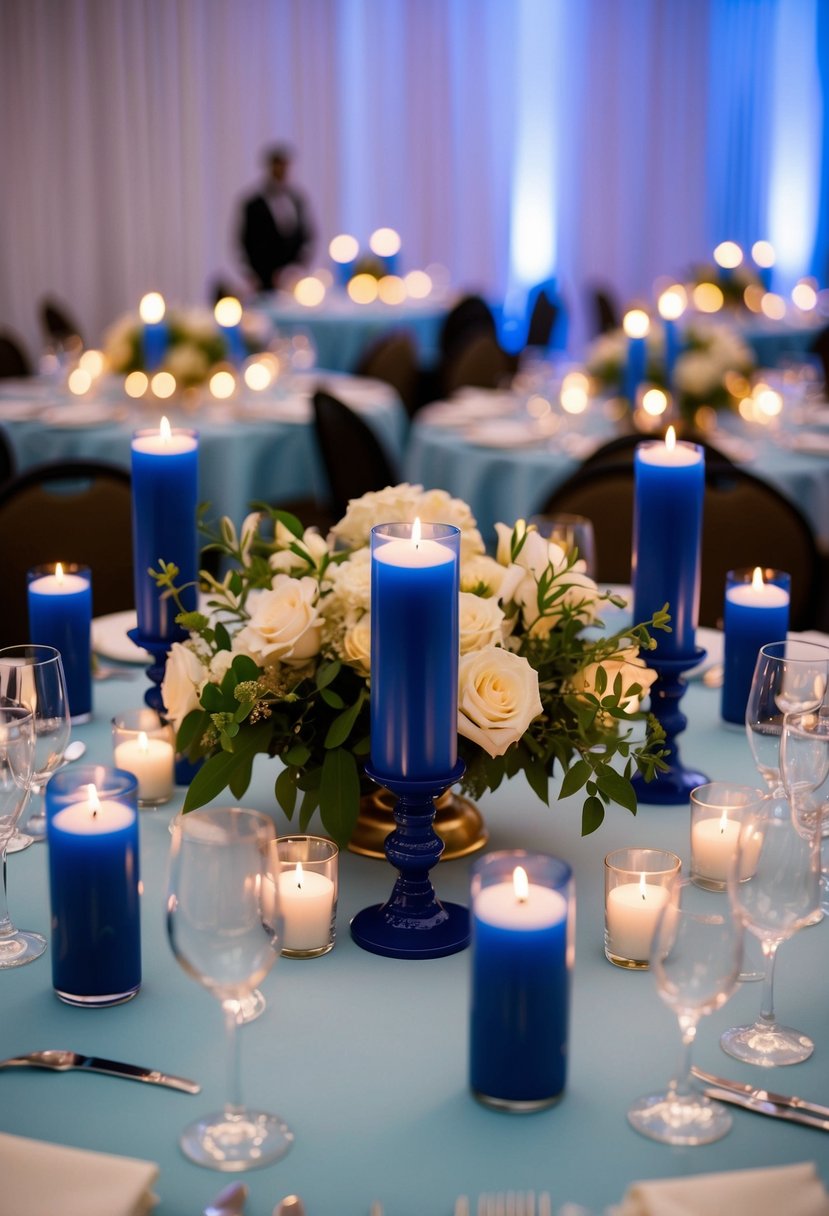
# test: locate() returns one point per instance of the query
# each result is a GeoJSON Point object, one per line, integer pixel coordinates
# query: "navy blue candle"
{"type": "Point", "coordinates": [94, 891]}
{"type": "Point", "coordinates": [756, 613]}
{"type": "Point", "coordinates": [522, 953]}
{"type": "Point", "coordinates": [667, 527]}
{"type": "Point", "coordinates": [60, 615]}
{"type": "Point", "coordinates": [154, 336]}
{"type": "Point", "coordinates": [414, 650]}
{"type": "Point", "coordinates": [637, 327]}
{"type": "Point", "coordinates": [164, 502]}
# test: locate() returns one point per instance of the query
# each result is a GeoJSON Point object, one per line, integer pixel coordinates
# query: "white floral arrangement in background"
{"type": "Point", "coordinates": [194, 343]}
{"type": "Point", "coordinates": [283, 664]}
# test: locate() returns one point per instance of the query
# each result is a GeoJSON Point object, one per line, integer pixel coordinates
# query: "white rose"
{"type": "Point", "coordinates": [482, 571]}
{"type": "Point", "coordinates": [438, 507]}
{"type": "Point", "coordinates": [187, 363]}
{"type": "Point", "coordinates": [696, 373]}
{"type": "Point", "coordinates": [633, 669]}
{"type": "Point", "coordinates": [219, 667]}
{"type": "Point", "coordinates": [481, 622]}
{"type": "Point", "coordinates": [497, 698]}
{"type": "Point", "coordinates": [183, 679]}
{"type": "Point", "coordinates": [351, 581]}
{"type": "Point", "coordinates": [314, 546]}
{"type": "Point", "coordinates": [284, 622]}
{"type": "Point", "coordinates": [394, 504]}
{"type": "Point", "coordinates": [356, 645]}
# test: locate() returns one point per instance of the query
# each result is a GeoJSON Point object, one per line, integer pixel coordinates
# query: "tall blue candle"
{"type": "Point", "coordinates": [164, 502]}
{"type": "Point", "coordinates": [228, 314]}
{"type": "Point", "coordinates": [637, 326]}
{"type": "Point", "coordinates": [522, 955]}
{"type": "Point", "coordinates": [671, 351]}
{"type": "Point", "coordinates": [667, 527]}
{"type": "Point", "coordinates": [60, 615]}
{"type": "Point", "coordinates": [94, 892]}
{"type": "Point", "coordinates": [414, 650]}
{"type": "Point", "coordinates": [154, 335]}
{"type": "Point", "coordinates": [756, 613]}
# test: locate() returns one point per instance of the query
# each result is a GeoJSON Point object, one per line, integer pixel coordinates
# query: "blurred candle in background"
{"type": "Point", "coordinates": [671, 305]}
{"type": "Point", "coordinates": [343, 251]}
{"type": "Point", "coordinates": [763, 254]}
{"type": "Point", "coordinates": [636, 325]}
{"type": "Point", "coordinates": [154, 335]}
{"type": "Point", "coordinates": [385, 244]}
{"type": "Point", "coordinates": [228, 314]}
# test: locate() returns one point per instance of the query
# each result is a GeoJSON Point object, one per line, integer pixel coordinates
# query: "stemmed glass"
{"type": "Point", "coordinates": [773, 885]}
{"type": "Point", "coordinates": [695, 960]}
{"type": "Point", "coordinates": [804, 765]}
{"type": "Point", "coordinates": [17, 753]}
{"type": "Point", "coordinates": [789, 677]}
{"type": "Point", "coordinates": [572, 533]}
{"type": "Point", "coordinates": [33, 676]}
{"type": "Point", "coordinates": [225, 928]}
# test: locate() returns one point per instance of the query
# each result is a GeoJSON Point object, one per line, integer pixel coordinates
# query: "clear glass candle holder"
{"type": "Point", "coordinates": [717, 811]}
{"type": "Point", "coordinates": [308, 894]}
{"type": "Point", "coordinates": [523, 949]}
{"type": "Point", "coordinates": [144, 745]}
{"type": "Point", "coordinates": [636, 888]}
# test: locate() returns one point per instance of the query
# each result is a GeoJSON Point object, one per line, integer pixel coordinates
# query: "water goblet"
{"type": "Point", "coordinates": [33, 676]}
{"type": "Point", "coordinates": [789, 677]}
{"type": "Point", "coordinates": [773, 885]}
{"type": "Point", "coordinates": [225, 929]}
{"type": "Point", "coordinates": [695, 960]}
{"type": "Point", "coordinates": [574, 533]}
{"type": "Point", "coordinates": [804, 766]}
{"type": "Point", "coordinates": [17, 753]}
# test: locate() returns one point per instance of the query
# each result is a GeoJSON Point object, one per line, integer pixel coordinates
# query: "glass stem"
{"type": "Point", "coordinates": [233, 1105]}
{"type": "Point", "coordinates": [6, 927]}
{"type": "Point", "coordinates": [767, 999]}
{"type": "Point", "coordinates": [680, 1086]}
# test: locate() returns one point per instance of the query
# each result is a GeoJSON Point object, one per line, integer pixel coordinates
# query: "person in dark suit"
{"type": "Point", "coordinates": [276, 229]}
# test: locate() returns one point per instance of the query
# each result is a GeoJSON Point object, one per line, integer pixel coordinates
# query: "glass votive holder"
{"type": "Point", "coordinates": [636, 887]}
{"type": "Point", "coordinates": [717, 811]}
{"type": "Point", "coordinates": [308, 894]}
{"type": "Point", "coordinates": [523, 949]}
{"type": "Point", "coordinates": [756, 611]}
{"type": "Point", "coordinates": [94, 885]}
{"type": "Point", "coordinates": [144, 745]}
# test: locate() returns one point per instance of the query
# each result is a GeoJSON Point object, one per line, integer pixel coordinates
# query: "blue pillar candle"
{"type": "Point", "coordinates": [636, 325]}
{"type": "Point", "coordinates": [92, 832]}
{"type": "Point", "coordinates": [343, 251]}
{"type": "Point", "coordinates": [756, 613]}
{"type": "Point", "coordinates": [414, 649]}
{"type": "Point", "coordinates": [669, 487]}
{"type": "Point", "coordinates": [60, 615]}
{"type": "Point", "coordinates": [522, 959]}
{"type": "Point", "coordinates": [671, 351]}
{"type": "Point", "coordinates": [154, 335]}
{"type": "Point", "coordinates": [228, 314]}
{"type": "Point", "coordinates": [164, 503]}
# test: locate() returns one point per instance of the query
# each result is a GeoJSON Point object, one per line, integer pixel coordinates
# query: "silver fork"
{"type": "Point", "coordinates": [507, 1203]}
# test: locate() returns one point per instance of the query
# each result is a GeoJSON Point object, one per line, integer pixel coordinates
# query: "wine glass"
{"type": "Point", "coordinates": [774, 888]}
{"type": "Point", "coordinates": [695, 959]}
{"type": "Point", "coordinates": [17, 754]}
{"type": "Point", "coordinates": [225, 929]}
{"type": "Point", "coordinates": [33, 676]}
{"type": "Point", "coordinates": [804, 766]}
{"type": "Point", "coordinates": [789, 677]}
{"type": "Point", "coordinates": [572, 533]}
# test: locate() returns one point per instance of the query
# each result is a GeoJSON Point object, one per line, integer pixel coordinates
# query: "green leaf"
{"type": "Point", "coordinates": [222, 637]}
{"type": "Point", "coordinates": [285, 791]}
{"type": "Point", "coordinates": [296, 755]}
{"type": "Point", "coordinates": [212, 699]}
{"type": "Point", "coordinates": [592, 815]}
{"type": "Point", "coordinates": [617, 788]}
{"type": "Point", "coordinates": [244, 668]}
{"type": "Point", "coordinates": [339, 794]}
{"type": "Point", "coordinates": [216, 773]}
{"type": "Point", "coordinates": [332, 698]}
{"type": "Point", "coordinates": [328, 672]}
{"type": "Point", "coordinates": [192, 728]}
{"type": "Point", "coordinates": [309, 804]}
{"type": "Point", "coordinates": [576, 776]}
{"type": "Point", "coordinates": [240, 780]}
{"type": "Point", "coordinates": [538, 780]}
{"type": "Point", "coordinates": [340, 728]}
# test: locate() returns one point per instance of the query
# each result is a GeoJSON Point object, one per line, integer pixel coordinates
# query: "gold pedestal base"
{"type": "Point", "coordinates": [458, 822]}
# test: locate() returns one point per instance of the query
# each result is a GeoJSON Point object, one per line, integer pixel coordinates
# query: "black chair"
{"type": "Point", "coordinates": [393, 359]}
{"type": "Point", "coordinates": [621, 451]}
{"type": "Point", "coordinates": [354, 459]}
{"type": "Point", "coordinates": [605, 310]}
{"type": "Point", "coordinates": [8, 463]}
{"type": "Point", "coordinates": [76, 511]}
{"type": "Point", "coordinates": [468, 318]}
{"type": "Point", "coordinates": [13, 358]}
{"type": "Point", "coordinates": [479, 363]}
{"type": "Point", "coordinates": [59, 327]}
{"type": "Point", "coordinates": [543, 319]}
{"type": "Point", "coordinates": [820, 347]}
{"type": "Point", "coordinates": [746, 522]}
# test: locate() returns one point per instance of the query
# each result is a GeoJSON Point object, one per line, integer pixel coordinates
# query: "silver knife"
{"type": "Point", "coordinates": [762, 1095]}
{"type": "Point", "coordinates": [63, 1061]}
{"type": "Point", "coordinates": [764, 1107]}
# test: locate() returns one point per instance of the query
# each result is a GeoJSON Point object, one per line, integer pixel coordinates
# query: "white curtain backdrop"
{"type": "Point", "coordinates": [130, 128]}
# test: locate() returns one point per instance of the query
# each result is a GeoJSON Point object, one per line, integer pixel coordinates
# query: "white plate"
{"type": "Point", "coordinates": [19, 411]}
{"type": "Point", "coordinates": [110, 641]}
{"type": "Point", "coordinates": [83, 414]}
{"type": "Point", "coordinates": [503, 433]}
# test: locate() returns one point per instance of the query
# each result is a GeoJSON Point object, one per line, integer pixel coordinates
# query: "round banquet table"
{"type": "Point", "coordinates": [366, 1057]}
{"type": "Point", "coordinates": [485, 449]}
{"type": "Point", "coordinates": [258, 448]}
{"type": "Point", "coordinates": [342, 330]}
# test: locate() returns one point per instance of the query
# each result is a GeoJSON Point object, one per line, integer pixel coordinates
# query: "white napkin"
{"type": "Point", "coordinates": [40, 1179]}
{"type": "Point", "coordinates": [795, 1190]}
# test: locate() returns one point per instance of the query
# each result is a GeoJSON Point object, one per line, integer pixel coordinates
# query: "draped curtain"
{"type": "Point", "coordinates": [631, 134]}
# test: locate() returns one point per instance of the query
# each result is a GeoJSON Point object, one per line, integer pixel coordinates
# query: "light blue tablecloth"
{"type": "Point", "coordinates": [774, 342]}
{"type": "Point", "coordinates": [342, 330]}
{"type": "Point", "coordinates": [270, 455]}
{"type": "Point", "coordinates": [366, 1056]}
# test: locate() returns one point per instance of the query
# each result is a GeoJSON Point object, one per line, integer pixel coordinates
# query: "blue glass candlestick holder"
{"type": "Point", "coordinates": [672, 786]}
{"type": "Point", "coordinates": [159, 648]}
{"type": "Point", "coordinates": [413, 922]}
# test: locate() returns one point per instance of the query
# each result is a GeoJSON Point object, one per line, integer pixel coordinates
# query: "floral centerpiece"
{"type": "Point", "coordinates": [711, 369]}
{"type": "Point", "coordinates": [282, 665]}
{"type": "Point", "coordinates": [195, 344]}
{"type": "Point", "coordinates": [732, 281]}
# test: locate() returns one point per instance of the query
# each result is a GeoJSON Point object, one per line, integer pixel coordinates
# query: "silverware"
{"type": "Point", "coordinates": [291, 1205]}
{"type": "Point", "coordinates": [760, 1107]}
{"type": "Point", "coordinates": [229, 1202]}
{"type": "Point", "coordinates": [506, 1203]}
{"type": "Point", "coordinates": [762, 1095]}
{"type": "Point", "coordinates": [63, 1061]}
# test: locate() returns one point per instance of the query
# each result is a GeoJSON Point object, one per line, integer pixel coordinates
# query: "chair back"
{"type": "Point", "coordinates": [393, 359]}
{"type": "Point", "coordinates": [480, 363]}
{"type": "Point", "coordinates": [543, 317]}
{"type": "Point", "coordinates": [605, 311]}
{"type": "Point", "coordinates": [355, 461]}
{"type": "Point", "coordinates": [73, 511]}
{"type": "Point", "coordinates": [820, 347]}
{"type": "Point", "coordinates": [8, 462]}
{"type": "Point", "coordinates": [59, 326]}
{"type": "Point", "coordinates": [13, 358]}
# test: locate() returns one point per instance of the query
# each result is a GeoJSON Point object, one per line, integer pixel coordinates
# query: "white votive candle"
{"type": "Point", "coordinates": [632, 910]}
{"type": "Point", "coordinates": [713, 844]}
{"type": "Point", "coordinates": [307, 902]}
{"type": "Point", "coordinates": [151, 761]}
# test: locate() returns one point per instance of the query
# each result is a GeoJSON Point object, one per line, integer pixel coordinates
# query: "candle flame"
{"type": "Point", "coordinates": [643, 886]}
{"type": "Point", "coordinates": [165, 430]}
{"type": "Point", "coordinates": [521, 884]}
{"type": "Point", "coordinates": [723, 821]}
{"type": "Point", "coordinates": [59, 572]}
{"type": "Point", "coordinates": [670, 438]}
{"type": "Point", "coordinates": [94, 800]}
{"type": "Point", "coordinates": [298, 875]}
{"type": "Point", "coordinates": [143, 741]}
{"type": "Point", "coordinates": [757, 579]}
{"type": "Point", "coordinates": [416, 531]}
